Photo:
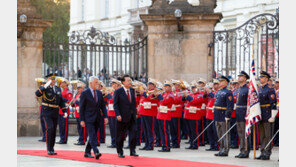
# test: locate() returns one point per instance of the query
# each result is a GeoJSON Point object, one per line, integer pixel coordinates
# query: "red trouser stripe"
{"type": "Point", "coordinates": [153, 131]}
{"type": "Point", "coordinates": [165, 135]}
{"type": "Point", "coordinates": [66, 129]}
{"type": "Point", "coordinates": [84, 135]}
{"type": "Point", "coordinates": [197, 141]}
{"type": "Point", "coordinates": [179, 131]}
{"type": "Point", "coordinates": [46, 133]}
{"type": "Point", "coordinates": [202, 127]}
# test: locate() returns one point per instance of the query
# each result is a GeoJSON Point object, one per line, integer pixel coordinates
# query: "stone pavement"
{"type": "Point", "coordinates": [200, 155]}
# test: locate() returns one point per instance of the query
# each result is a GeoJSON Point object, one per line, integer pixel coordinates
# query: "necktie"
{"type": "Point", "coordinates": [95, 96]}
{"type": "Point", "coordinates": [128, 95]}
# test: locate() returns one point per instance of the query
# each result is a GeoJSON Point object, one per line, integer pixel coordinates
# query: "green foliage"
{"type": "Point", "coordinates": [59, 12]}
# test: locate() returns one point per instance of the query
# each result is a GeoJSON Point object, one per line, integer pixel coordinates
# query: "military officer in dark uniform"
{"type": "Point", "coordinates": [267, 100]}
{"type": "Point", "coordinates": [223, 108]}
{"type": "Point", "coordinates": [241, 108]}
{"type": "Point", "coordinates": [51, 101]}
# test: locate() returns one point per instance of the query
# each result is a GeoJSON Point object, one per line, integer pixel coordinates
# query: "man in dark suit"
{"type": "Point", "coordinates": [124, 103]}
{"type": "Point", "coordinates": [90, 107]}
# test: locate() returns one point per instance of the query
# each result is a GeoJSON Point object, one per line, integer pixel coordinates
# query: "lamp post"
{"type": "Point", "coordinates": [178, 15]}
{"type": "Point", "coordinates": [23, 21]}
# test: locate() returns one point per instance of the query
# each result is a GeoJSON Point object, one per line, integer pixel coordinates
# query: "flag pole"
{"type": "Point", "coordinates": [254, 140]}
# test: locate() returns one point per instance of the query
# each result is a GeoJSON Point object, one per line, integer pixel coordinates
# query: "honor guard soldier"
{"type": "Point", "coordinates": [111, 113]}
{"type": "Point", "coordinates": [202, 122]}
{"type": "Point", "coordinates": [267, 100]}
{"type": "Point", "coordinates": [149, 113]}
{"type": "Point", "coordinates": [241, 109]}
{"type": "Point", "coordinates": [192, 114]}
{"type": "Point", "coordinates": [233, 132]}
{"type": "Point", "coordinates": [176, 113]}
{"type": "Point", "coordinates": [63, 122]}
{"type": "Point", "coordinates": [223, 108]}
{"type": "Point", "coordinates": [51, 101]}
{"type": "Point", "coordinates": [164, 115]}
{"type": "Point", "coordinates": [81, 130]}
{"type": "Point", "coordinates": [211, 131]}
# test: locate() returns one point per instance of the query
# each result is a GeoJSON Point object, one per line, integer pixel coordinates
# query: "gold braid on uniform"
{"type": "Point", "coordinates": [44, 96]}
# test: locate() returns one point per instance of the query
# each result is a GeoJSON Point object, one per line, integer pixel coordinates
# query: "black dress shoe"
{"type": "Point", "coordinates": [88, 155]}
{"type": "Point", "coordinates": [217, 154]}
{"type": "Point", "coordinates": [223, 155]}
{"type": "Point", "coordinates": [260, 157]}
{"type": "Point", "coordinates": [41, 140]}
{"type": "Point", "coordinates": [79, 144]}
{"type": "Point", "coordinates": [60, 142]}
{"type": "Point", "coordinates": [157, 145]}
{"type": "Point", "coordinates": [98, 155]}
{"type": "Point", "coordinates": [238, 156]}
{"type": "Point", "coordinates": [164, 150]}
{"type": "Point", "coordinates": [134, 154]}
{"type": "Point", "coordinates": [51, 153]}
{"type": "Point", "coordinates": [143, 148]}
{"type": "Point", "coordinates": [120, 155]}
{"type": "Point", "coordinates": [244, 156]}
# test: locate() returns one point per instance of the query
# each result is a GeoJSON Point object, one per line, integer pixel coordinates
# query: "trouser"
{"type": "Point", "coordinates": [121, 129]}
{"type": "Point", "coordinates": [51, 122]}
{"type": "Point", "coordinates": [112, 126]}
{"type": "Point", "coordinates": [276, 128]}
{"type": "Point", "coordinates": [212, 134]}
{"type": "Point", "coordinates": [82, 132]}
{"type": "Point", "coordinates": [139, 131]}
{"type": "Point", "coordinates": [102, 132]}
{"type": "Point", "coordinates": [43, 127]}
{"type": "Point", "coordinates": [265, 130]}
{"type": "Point", "coordinates": [63, 128]}
{"type": "Point", "coordinates": [164, 133]}
{"type": "Point", "coordinates": [156, 132]}
{"type": "Point", "coordinates": [148, 123]}
{"type": "Point", "coordinates": [175, 131]}
{"type": "Point", "coordinates": [257, 136]}
{"type": "Point", "coordinates": [224, 142]}
{"type": "Point", "coordinates": [233, 133]}
{"type": "Point", "coordinates": [244, 145]}
{"type": "Point", "coordinates": [193, 133]}
{"type": "Point", "coordinates": [201, 127]}
{"type": "Point", "coordinates": [92, 143]}
{"type": "Point", "coordinates": [184, 128]}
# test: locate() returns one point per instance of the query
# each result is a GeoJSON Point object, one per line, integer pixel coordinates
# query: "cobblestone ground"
{"type": "Point", "coordinates": [200, 155]}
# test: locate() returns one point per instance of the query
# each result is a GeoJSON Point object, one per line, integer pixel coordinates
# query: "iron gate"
{"type": "Point", "coordinates": [233, 49]}
{"type": "Point", "coordinates": [93, 52]}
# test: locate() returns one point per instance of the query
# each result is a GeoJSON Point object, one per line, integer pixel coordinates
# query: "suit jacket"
{"type": "Point", "coordinates": [89, 110]}
{"type": "Point", "coordinates": [123, 107]}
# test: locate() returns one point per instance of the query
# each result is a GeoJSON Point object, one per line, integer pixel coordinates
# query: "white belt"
{"type": "Point", "coordinates": [203, 106]}
{"type": "Point", "coordinates": [211, 108]}
{"type": "Point", "coordinates": [148, 105]}
{"type": "Point", "coordinates": [174, 107]}
{"type": "Point", "coordinates": [192, 109]}
{"type": "Point", "coordinates": [110, 107]}
{"type": "Point", "coordinates": [163, 109]}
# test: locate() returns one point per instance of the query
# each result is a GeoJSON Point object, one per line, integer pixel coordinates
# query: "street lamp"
{"type": "Point", "coordinates": [23, 21]}
{"type": "Point", "coordinates": [178, 15]}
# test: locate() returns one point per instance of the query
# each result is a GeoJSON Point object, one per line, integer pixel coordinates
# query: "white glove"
{"type": "Point", "coordinates": [47, 84]}
{"type": "Point", "coordinates": [271, 119]}
{"type": "Point", "coordinates": [227, 119]}
{"type": "Point", "coordinates": [65, 115]}
{"type": "Point", "coordinates": [77, 109]}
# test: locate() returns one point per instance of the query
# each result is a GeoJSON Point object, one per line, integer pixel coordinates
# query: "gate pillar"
{"type": "Point", "coordinates": [174, 54]}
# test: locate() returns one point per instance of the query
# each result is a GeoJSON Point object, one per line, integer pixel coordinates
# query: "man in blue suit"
{"type": "Point", "coordinates": [90, 107]}
{"type": "Point", "coordinates": [124, 104]}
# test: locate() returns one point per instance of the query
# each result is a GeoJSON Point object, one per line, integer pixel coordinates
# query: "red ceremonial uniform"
{"type": "Point", "coordinates": [76, 113]}
{"type": "Point", "coordinates": [234, 92]}
{"type": "Point", "coordinates": [193, 108]}
{"type": "Point", "coordinates": [165, 105]}
{"type": "Point", "coordinates": [66, 93]}
{"type": "Point", "coordinates": [209, 108]}
{"type": "Point", "coordinates": [149, 105]}
{"type": "Point", "coordinates": [111, 112]}
{"type": "Point", "coordinates": [177, 108]}
{"type": "Point", "coordinates": [138, 99]}
{"type": "Point", "coordinates": [204, 104]}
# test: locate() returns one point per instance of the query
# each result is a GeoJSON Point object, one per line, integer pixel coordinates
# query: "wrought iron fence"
{"type": "Point", "coordinates": [93, 52]}
{"type": "Point", "coordinates": [233, 49]}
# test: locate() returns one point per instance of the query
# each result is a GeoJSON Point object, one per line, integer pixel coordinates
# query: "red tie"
{"type": "Point", "coordinates": [128, 95]}
{"type": "Point", "coordinates": [95, 96]}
